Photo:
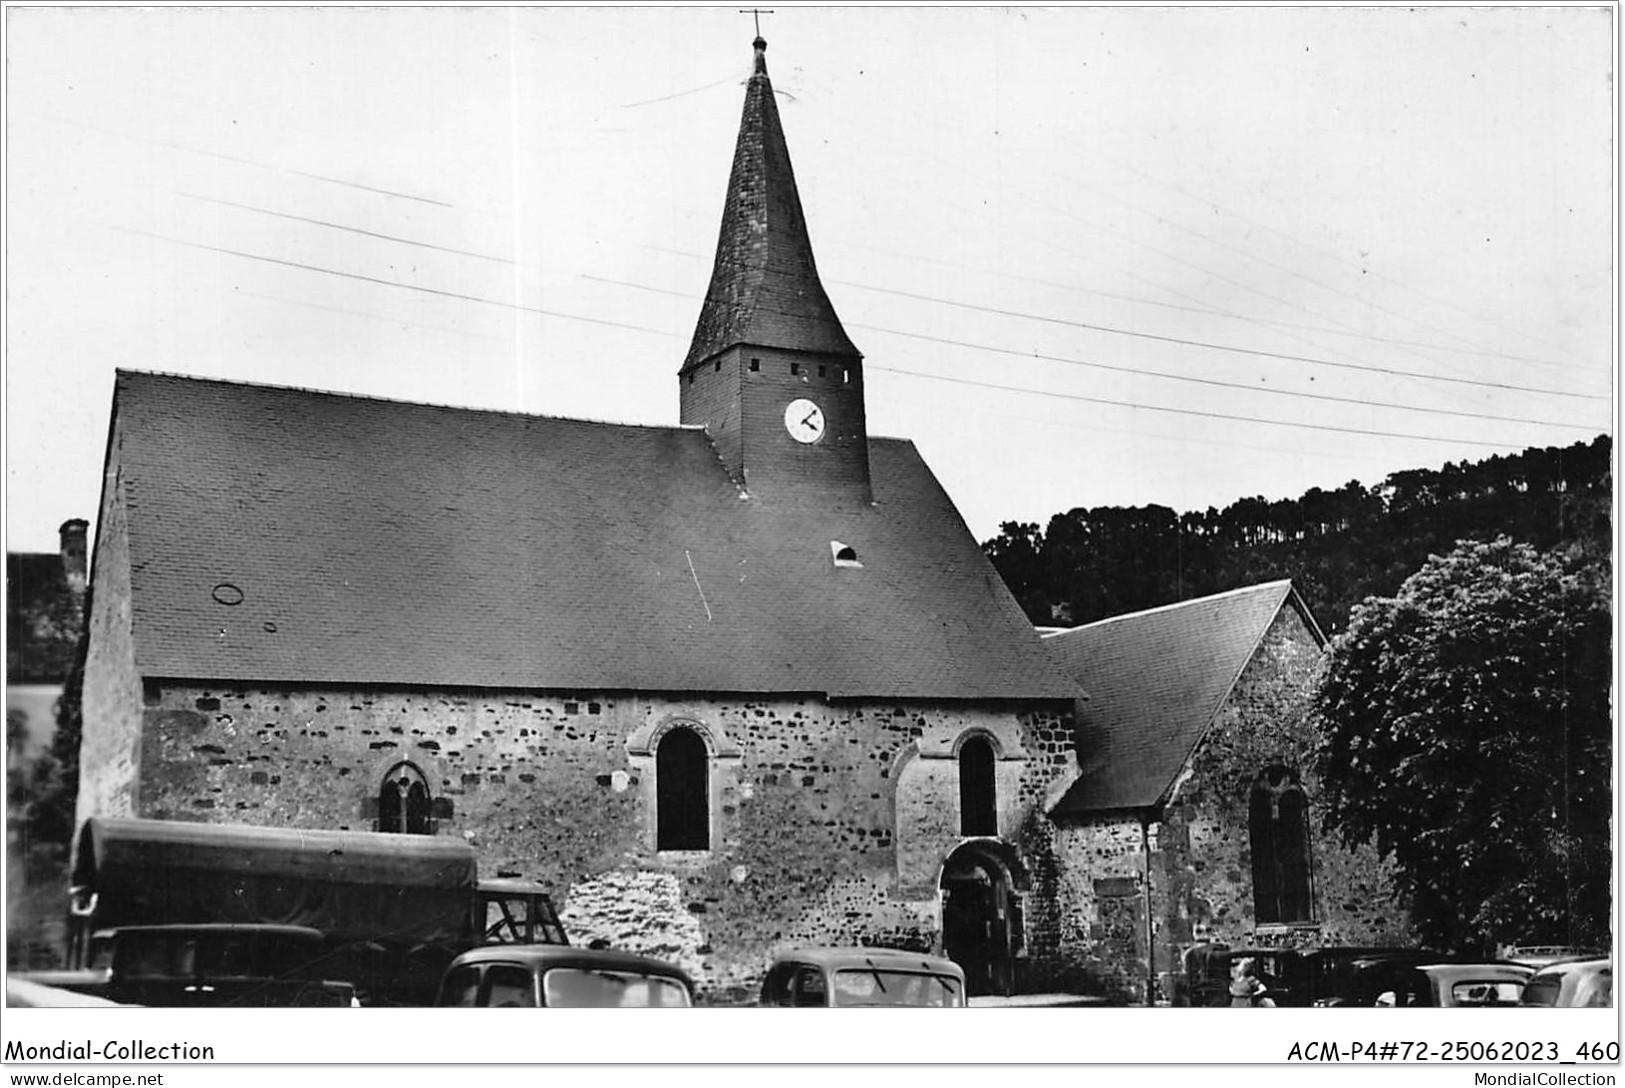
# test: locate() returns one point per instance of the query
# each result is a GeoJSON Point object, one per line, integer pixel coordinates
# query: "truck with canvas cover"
{"type": "Point", "coordinates": [393, 909]}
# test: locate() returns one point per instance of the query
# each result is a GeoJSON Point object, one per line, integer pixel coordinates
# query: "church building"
{"type": "Point", "coordinates": [723, 686]}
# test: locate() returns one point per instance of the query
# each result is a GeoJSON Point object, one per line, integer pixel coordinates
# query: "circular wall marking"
{"type": "Point", "coordinates": [226, 593]}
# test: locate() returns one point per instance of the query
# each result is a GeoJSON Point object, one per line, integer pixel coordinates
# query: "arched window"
{"type": "Point", "coordinates": [978, 796]}
{"type": "Point", "coordinates": [682, 792]}
{"type": "Point", "coordinates": [1278, 828]}
{"type": "Point", "coordinates": [403, 801]}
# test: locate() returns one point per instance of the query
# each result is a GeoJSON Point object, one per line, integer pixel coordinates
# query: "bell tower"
{"type": "Point", "coordinates": [771, 374]}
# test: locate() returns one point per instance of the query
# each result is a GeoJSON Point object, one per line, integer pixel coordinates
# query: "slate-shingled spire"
{"type": "Point", "coordinates": [764, 286]}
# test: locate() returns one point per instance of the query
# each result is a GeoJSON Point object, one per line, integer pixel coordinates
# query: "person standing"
{"type": "Point", "coordinates": [1247, 990]}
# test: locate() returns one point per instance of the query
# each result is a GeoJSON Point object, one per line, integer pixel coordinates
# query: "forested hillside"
{"type": "Point", "coordinates": [1338, 547]}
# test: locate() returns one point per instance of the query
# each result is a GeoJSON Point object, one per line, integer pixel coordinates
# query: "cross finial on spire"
{"type": "Point", "coordinates": [756, 13]}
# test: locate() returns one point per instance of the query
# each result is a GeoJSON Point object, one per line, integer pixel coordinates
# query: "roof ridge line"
{"type": "Point", "coordinates": [376, 398]}
{"type": "Point", "coordinates": [1169, 607]}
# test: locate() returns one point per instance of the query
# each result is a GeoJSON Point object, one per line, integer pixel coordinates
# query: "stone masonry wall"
{"type": "Point", "coordinates": [111, 699]}
{"type": "Point", "coordinates": [1207, 861]}
{"type": "Point", "coordinates": [559, 787]}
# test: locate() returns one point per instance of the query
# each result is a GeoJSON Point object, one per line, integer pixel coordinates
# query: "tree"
{"type": "Point", "coordinates": [46, 792]}
{"type": "Point", "coordinates": [1466, 731]}
{"type": "Point", "coordinates": [1338, 546]}
{"type": "Point", "coordinates": [1015, 552]}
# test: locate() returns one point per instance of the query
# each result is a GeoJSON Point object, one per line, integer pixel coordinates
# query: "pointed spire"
{"type": "Point", "coordinates": [764, 286]}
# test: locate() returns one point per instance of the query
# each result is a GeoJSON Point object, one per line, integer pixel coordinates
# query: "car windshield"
{"type": "Point", "coordinates": [1485, 994]}
{"type": "Point", "coordinates": [1542, 991]}
{"type": "Point", "coordinates": [582, 988]}
{"type": "Point", "coordinates": [870, 986]}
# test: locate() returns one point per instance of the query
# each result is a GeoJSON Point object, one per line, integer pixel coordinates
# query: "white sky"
{"type": "Point", "coordinates": [295, 195]}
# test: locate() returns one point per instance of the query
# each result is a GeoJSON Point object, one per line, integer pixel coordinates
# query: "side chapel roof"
{"type": "Point", "coordinates": [284, 535]}
{"type": "Point", "coordinates": [1156, 679]}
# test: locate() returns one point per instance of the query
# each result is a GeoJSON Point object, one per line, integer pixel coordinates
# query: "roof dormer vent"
{"type": "Point", "coordinates": [843, 554]}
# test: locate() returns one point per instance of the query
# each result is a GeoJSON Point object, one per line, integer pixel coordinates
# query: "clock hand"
{"type": "Point", "coordinates": [808, 422]}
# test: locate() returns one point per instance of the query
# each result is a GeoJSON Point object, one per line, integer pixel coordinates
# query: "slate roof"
{"type": "Point", "coordinates": [379, 542]}
{"type": "Point", "coordinates": [764, 286]}
{"type": "Point", "coordinates": [1155, 681]}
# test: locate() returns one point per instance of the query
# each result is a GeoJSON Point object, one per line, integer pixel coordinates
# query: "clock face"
{"type": "Point", "coordinates": [804, 420]}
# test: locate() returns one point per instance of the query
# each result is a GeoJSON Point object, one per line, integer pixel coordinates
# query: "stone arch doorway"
{"type": "Point", "coordinates": [982, 926]}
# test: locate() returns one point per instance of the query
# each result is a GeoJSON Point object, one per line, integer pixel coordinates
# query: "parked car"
{"type": "Point", "coordinates": [1207, 974]}
{"type": "Point", "coordinates": [1359, 975]}
{"type": "Point", "coordinates": [557, 976]}
{"type": "Point", "coordinates": [862, 978]}
{"type": "Point", "coordinates": [1293, 977]}
{"type": "Point", "coordinates": [1541, 955]}
{"type": "Point", "coordinates": [1574, 984]}
{"type": "Point", "coordinates": [201, 966]}
{"type": "Point", "coordinates": [1457, 985]}
{"type": "Point", "coordinates": [25, 993]}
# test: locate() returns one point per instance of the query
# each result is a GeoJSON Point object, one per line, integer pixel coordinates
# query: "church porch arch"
{"type": "Point", "coordinates": [982, 884]}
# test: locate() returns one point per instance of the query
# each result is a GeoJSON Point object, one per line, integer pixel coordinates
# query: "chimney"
{"type": "Point", "coordinates": [73, 553]}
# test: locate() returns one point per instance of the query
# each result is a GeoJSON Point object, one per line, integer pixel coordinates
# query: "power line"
{"type": "Point", "coordinates": [1139, 301]}
{"type": "Point", "coordinates": [1141, 244]}
{"type": "Point", "coordinates": [1138, 372]}
{"type": "Point", "coordinates": [1216, 206]}
{"type": "Point", "coordinates": [1229, 347]}
{"type": "Point", "coordinates": [1187, 342]}
{"type": "Point", "coordinates": [1066, 210]}
{"type": "Point", "coordinates": [1249, 255]}
{"type": "Point", "coordinates": [1193, 411]}
{"type": "Point", "coordinates": [341, 226]}
{"type": "Point", "coordinates": [254, 162]}
{"type": "Point", "coordinates": [895, 370]}
{"type": "Point", "coordinates": [363, 313]}
{"type": "Point", "coordinates": [732, 77]}
{"type": "Point", "coordinates": [395, 283]}
{"type": "Point", "coordinates": [1224, 384]}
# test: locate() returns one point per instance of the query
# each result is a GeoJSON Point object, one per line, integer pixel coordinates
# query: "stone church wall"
{"type": "Point", "coordinates": [810, 824]}
{"type": "Point", "coordinates": [109, 748]}
{"type": "Point", "coordinates": [1200, 857]}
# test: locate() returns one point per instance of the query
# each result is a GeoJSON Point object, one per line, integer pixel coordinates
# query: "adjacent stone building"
{"type": "Point", "coordinates": [1194, 814]}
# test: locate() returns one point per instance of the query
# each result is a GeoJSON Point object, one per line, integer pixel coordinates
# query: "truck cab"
{"type": "Point", "coordinates": [519, 912]}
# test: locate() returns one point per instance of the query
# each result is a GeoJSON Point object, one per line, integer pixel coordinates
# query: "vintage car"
{"type": "Point", "coordinates": [1542, 955]}
{"type": "Point", "coordinates": [1293, 977]}
{"type": "Point", "coordinates": [554, 976]}
{"type": "Point", "coordinates": [862, 978]}
{"type": "Point", "coordinates": [213, 965]}
{"type": "Point", "coordinates": [1573, 984]}
{"type": "Point", "coordinates": [1496, 985]}
{"type": "Point", "coordinates": [27, 993]}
